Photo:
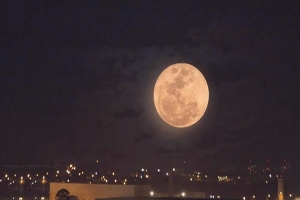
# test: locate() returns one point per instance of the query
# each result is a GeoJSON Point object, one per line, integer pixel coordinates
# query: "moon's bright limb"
{"type": "Point", "coordinates": [181, 95]}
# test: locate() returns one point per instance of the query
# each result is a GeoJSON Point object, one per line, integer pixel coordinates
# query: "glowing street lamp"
{"type": "Point", "coordinates": [151, 193]}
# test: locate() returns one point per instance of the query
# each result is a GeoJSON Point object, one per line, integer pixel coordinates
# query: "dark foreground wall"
{"type": "Point", "coordinates": [160, 198]}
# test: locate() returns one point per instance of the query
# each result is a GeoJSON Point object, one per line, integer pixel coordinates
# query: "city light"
{"type": "Point", "coordinates": [65, 175]}
{"type": "Point", "coordinates": [221, 178]}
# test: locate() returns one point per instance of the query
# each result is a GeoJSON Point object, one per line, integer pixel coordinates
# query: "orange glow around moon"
{"type": "Point", "coordinates": [181, 95]}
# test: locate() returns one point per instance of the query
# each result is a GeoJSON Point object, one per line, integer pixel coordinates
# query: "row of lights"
{"type": "Point", "coordinates": [244, 198]}
{"type": "Point", "coordinates": [182, 194]}
{"type": "Point", "coordinates": [158, 170]}
{"type": "Point", "coordinates": [28, 175]}
{"type": "Point", "coordinates": [141, 176]}
{"type": "Point", "coordinates": [21, 181]}
{"type": "Point", "coordinates": [213, 196]}
{"type": "Point", "coordinates": [21, 198]}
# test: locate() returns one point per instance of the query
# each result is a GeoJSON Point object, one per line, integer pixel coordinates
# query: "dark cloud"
{"type": "Point", "coordinates": [163, 150]}
{"type": "Point", "coordinates": [143, 136]}
{"type": "Point", "coordinates": [129, 112]}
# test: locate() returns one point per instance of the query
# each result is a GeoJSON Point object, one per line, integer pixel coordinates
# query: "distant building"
{"type": "Point", "coordinates": [83, 191]}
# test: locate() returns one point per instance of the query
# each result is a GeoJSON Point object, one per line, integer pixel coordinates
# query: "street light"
{"type": "Point", "coordinates": [151, 193]}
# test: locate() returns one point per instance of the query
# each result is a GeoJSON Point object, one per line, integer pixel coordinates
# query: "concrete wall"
{"type": "Point", "coordinates": [142, 190]}
{"type": "Point", "coordinates": [98, 191]}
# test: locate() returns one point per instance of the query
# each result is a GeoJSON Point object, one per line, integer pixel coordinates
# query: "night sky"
{"type": "Point", "coordinates": [77, 80]}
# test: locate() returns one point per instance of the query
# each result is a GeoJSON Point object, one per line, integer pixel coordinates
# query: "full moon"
{"type": "Point", "coordinates": [181, 95]}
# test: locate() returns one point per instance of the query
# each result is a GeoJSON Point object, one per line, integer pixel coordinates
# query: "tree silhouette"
{"type": "Point", "coordinates": [62, 194]}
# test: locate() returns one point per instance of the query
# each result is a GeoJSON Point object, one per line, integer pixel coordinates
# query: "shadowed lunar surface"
{"type": "Point", "coordinates": [181, 95]}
